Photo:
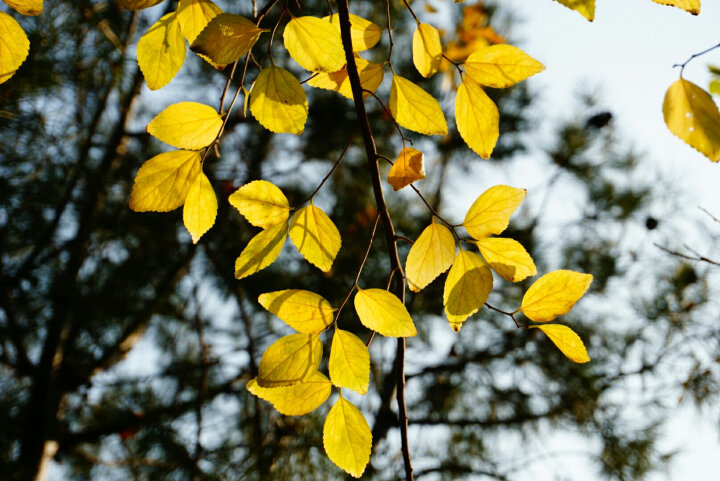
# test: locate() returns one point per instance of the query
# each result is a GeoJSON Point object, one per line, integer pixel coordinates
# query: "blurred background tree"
{"type": "Point", "coordinates": [124, 349]}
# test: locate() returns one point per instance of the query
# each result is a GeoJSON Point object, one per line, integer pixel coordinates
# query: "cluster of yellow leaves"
{"type": "Point", "coordinates": [14, 44]}
{"type": "Point", "coordinates": [264, 205]}
{"type": "Point", "coordinates": [586, 8]}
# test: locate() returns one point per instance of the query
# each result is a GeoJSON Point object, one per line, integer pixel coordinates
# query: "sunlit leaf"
{"type": "Point", "coordinates": [349, 362]}
{"type": "Point", "coordinates": [278, 101]}
{"type": "Point", "coordinates": [501, 66]}
{"type": "Point", "coordinates": [408, 168]}
{"type": "Point", "coordinates": [163, 182]}
{"type": "Point", "coordinates": [200, 207]}
{"type": "Point", "coordinates": [226, 38]}
{"type": "Point", "coordinates": [262, 203]}
{"type": "Point", "coordinates": [14, 46]}
{"type": "Point", "coordinates": [290, 360]}
{"type": "Point", "coordinates": [426, 49]}
{"type": "Point", "coordinates": [692, 6]}
{"type": "Point", "coordinates": [315, 44]}
{"type": "Point", "coordinates": [567, 341]}
{"type": "Point", "coordinates": [586, 8]}
{"type": "Point", "coordinates": [138, 4]}
{"type": "Point", "coordinates": [304, 311]}
{"type": "Point", "coordinates": [297, 399]}
{"type": "Point", "coordinates": [507, 257]}
{"type": "Point", "coordinates": [383, 312]}
{"type": "Point", "coordinates": [186, 125]}
{"type": "Point", "coordinates": [467, 287]}
{"type": "Point", "coordinates": [477, 118]}
{"type": "Point", "coordinates": [32, 7]}
{"type": "Point", "coordinates": [347, 437]}
{"type": "Point", "coordinates": [691, 114]}
{"type": "Point", "coordinates": [261, 251]}
{"type": "Point", "coordinates": [371, 76]}
{"type": "Point", "coordinates": [554, 294]}
{"type": "Point", "coordinates": [431, 255]}
{"type": "Point", "coordinates": [194, 15]}
{"type": "Point", "coordinates": [490, 213]}
{"type": "Point", "coordinates": [415, 109]}
{"type": "Point", "coordinates": [315, 236]}
{"type": "Point", "coordinates": [161, 52]}
{"type": "Point", "coordinates": [364, 33]}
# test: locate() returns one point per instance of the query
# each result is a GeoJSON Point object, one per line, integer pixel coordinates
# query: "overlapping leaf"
{"type": "Point", "coordinates": [567, 341]}
{"type": "Point", "coordinates": [426, 49]}
{"type": "Point", "coordinates": [315, 236]}
{"type": "Point", "coordinates": [304, 311]}
{"type": "Point", "coordinates": [200, 207]}
{"type": "Point", "coordinates": [161, 52]}
{"type": "Point", "coordinates": [186, 125]}
{"type": "Point", "coordinates": [163, 182]}
{"type": "Point", "coordinates": [491, 211]}
{"type": "Point", "coordinates": [415, 109]}
{"type": "Point", "coordinates": [314, 43]}
{"type": "Point", "coordinates": [554, 294]}
{"type": "Point", "coordinates": [347, 437]}
{"type": "Point", "coordinates": [349, 362]}
{"type": "Point", "coordinates": [467, 287]}
{"type": "Point", "coordinates": [261, 251]}
{"type": "Point", "coordinates": [194, 15]}
{"type": "Point", "coordinates": [262, 203]}
{"type": "Point", "coordinates": [297, 399]}
{"type": "Point", "coordinates": [383, 312]}
{"type": "Point", "coordinates": [289, 360]}
{"type": "Point", "coordinates": [370, 73]}
{"type": "Point", "coordinates": [278, 101]}
{"type": "Point", "coordinates": [507, 257]}
{"type": "Point", "coordinates": [431, 255]}
{"type": "Point", "coordinates": [226, 38]}
{"type": "Point", "coordinates": [477, 118]}
{"type": "Point", "coordinates": [364, 33]}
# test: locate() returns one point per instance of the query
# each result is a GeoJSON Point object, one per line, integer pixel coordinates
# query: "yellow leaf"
{"type": "Point", "coordinates": [262, 203]}
{"type": "Point", "coordinates": [477, 118]}
{"type": "Point", "coordinates": [691, 114]}
{"type": "Point", "coordinates": [290, 360]}
{"type": "Point", "coordinates": [200, 207]}
{"type": "Point", "coordinates": [586, 8]}
{"type": "Point", "coordinates": [14, 46]}
{"type": "Point", "coordinates": [349, 362]}
{"type": "Point", "coordinates": [304, 311]}
{"type": "Point", "coordinates": [467, 287]}
{"type": "Point", "coordinates": [507, 257]}
{"type": "Point", "coordinates": [567, 341]}
{"type": "Point", "coordinates": [315, 236]}
{"type": "Point", "coordinates": [138, 4]}
{"type": "Point", "coordinates": [278, 101]}
{"type": "Point", "coordinates": [28, 7]}
{"type": "Point", "coordinates": [297, 399]}
{"type": "Point", "coordinates": [371, 76]}
{"type": "Point", "coordinates": [554, 294]}
{"type": "Point", "coordinates": [383, 312]}
{"type": "Point", "coordinates": [226, 38]}
{"type": "Point", "coordinates": [692, 6]}
{"type": "Point", "coordinates": [161, 52]}
{"type": "Point", "coordinates": [347, 437]}
{"type": "Point", "coordinates": [194, 15]}
{"type": "Point", "coordinates": [490, 213]}
{"type": "Point", "coordinates": [261, 251]}
{"type": "Point", "coordinates": [315, 44]}
{"type": "Point", "coordinates": [426, 49]}
{"type": "Point", "coordinates": [364, 33]}
{"type": "Point", "coordinates": [415, 109]}
{"type": "Point", "coordinates": [186, 125]}
{"type": "Point", "coordinates": [431, 255]}
{"type": "Point", "coordinates": [407, 168]}
{"type": "Point", "coordinates": [501, 66]}
{"type": "Point", "coordinates": [163, 182]}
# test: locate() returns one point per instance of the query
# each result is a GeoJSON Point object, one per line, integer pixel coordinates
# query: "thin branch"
{"type": "Point", "coordinates": [696, 257]}
{"type": "Point", "coordinates": [390, 116]}
{"type": "Point", "coordinates": [509, 314]}
{"type": "Point", "coordinates": [694, 56]}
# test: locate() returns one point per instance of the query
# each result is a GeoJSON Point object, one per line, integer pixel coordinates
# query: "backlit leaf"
{"type": "Point", "coordinates": [371, 76]}
{"type": "Point", "coordinates": [692, 6]}
{"type": "Point", "coordinates": [467, 287]}
{"type": "Point", "coordinates": [186, 125]}
{"type": "Point", "coordinates": [586, 8]}
{"type": "Point", "coordinates": [477, 118]}
{"type": "Point", "coordinates": [349, 362]}
{"type": "Point", "coordinates": [315, 236]}
{"type": "Point", "coordinates": [567, 341]}
{"type": "Point", "coordinates": [554, 294]}
{"type": "Point", "coordinates": [407, 168]}
{"type": "Point", "coordinates": [29, 7]}
{"type": "Point", "coordinates": [364, 33]}
{"type": "Point", "coordinates": [415, 109]}
{"type": "Point", "coordinates": [383, 312]}
{"type": "Point", "coordinates": [507, 257]}
{"type": "Point", "coordinates": [226, 38]}
{"type": "Point", "coordinates": [278, 101]}
{"type": "Point", "coordinates": [431, 255]}
{"type": "Point", "coordinates": [161, 52]}
{"type": "Point", "coordinates": [261, 251]}
{"type": "Point", "coordinates": [163, 182]}
{"type": "Point", "coordinates": [490, 213]}
{"type": "Point", "coordinates": [138, 4]}
{"type": "Point", "coordinates": [426, 49]}
{"type": "Point", "coordinates": [194, 15]}
{"type": "Point", "coordinates": [347, 437]}
{"type": "Point", "coordinates": [297, 399]}
{"type": "Point", "coordinates": [200, 207]}
{"type": "Point", "coordinates": [501, 66]}
{"type": "Point", "coordinates": [315, 44]}
{"type": "Point", "coordinates": [691, 114]}
{"type": "Point", "coordinates": [14, 47]}
{"type": "Point", "coordinates": [262, 203]}
{"type": "Point", "coordinates": [304, 311]}
{"type": "Point", "coordinates": [290, 360]}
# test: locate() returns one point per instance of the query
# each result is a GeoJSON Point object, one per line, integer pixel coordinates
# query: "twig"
{"type": "Point", "coordinates": [509, 314]}
{"type": "Point", "coordinates": [697, 258]}
{"type": "Point", "coordinates": [694, 56]}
